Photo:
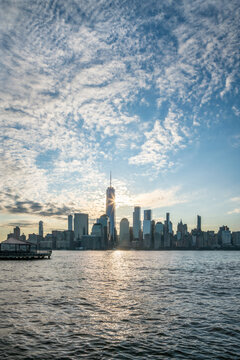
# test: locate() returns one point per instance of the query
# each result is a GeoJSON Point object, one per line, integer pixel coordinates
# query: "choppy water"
{"type": "Point", "coordinates": [121, 305]}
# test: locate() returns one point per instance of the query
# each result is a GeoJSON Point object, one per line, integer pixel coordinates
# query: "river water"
{"type": "Point", "coordinates": [121, 305]}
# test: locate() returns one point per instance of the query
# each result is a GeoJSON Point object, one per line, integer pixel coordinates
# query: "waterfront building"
{"type": "Point", "coordinates": [58, 239]}
{"type": "Point", "coordinates": [90, 242]}
{"type": "Point", "coordinates": [97, 232]}
{"type": "Point", "coordinates": [110, 211]}
{"type": "Point", "coordinates": [211, 240]}
{"type": "Point", "coordinates": [226, 238]}
{"type": "Point", "coordinates": [68, 236]}
{"type": "Point", "coordinates": [124, 234]}
{"type": "Point", "coordinates": [221, 237]}
{"type": "Point", "coordinates": [62, 240]}
{"type": "Point", "coordinates": [136, 222]}
{"type": "Point", "coordinates": [80, 225]}
{"type": "Point", "coordinates": [40, 228]}
{"type": "Point", "coordinates": [194, 240]}
{"type": "Point", "coordinates": [236, 238]}
{"type": "Point", "coordinates": [47, 243]}
{"type": "Point", "coordinates": [70, 221]}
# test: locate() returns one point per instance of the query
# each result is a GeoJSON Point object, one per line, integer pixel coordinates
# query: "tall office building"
{"type": "Point", "coordinates": [147, 214]}
{"type": "Point", "coordinates": [147, 229]}
{"type": "Point", "coordinates": [198, 222]}
{"type": "Point", "coordinates": [124, 233]}
{"type": "Point", "coordinates": [80, 225]}
{"type": "Point", "coordinates": [70, 220]}
{"type": "Point", "coordinates": [40, 228]}
{"type": "Point", "coordinates": [167, 231]}
{"type": "Point", "coordinates": [16, 232]}
{"type": "Point", "coordinates": [158, 235]}
{"type": "Point", "coordinates": [136, 222]}
{"type": "Point", "coordinates": [167, 223]}
{"type": "Point", "coordinates": [104, 221]}
{"type": "Point", "coordinates": [110, 210]}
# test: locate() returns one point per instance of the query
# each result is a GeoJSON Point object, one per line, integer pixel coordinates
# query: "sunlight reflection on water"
{"type": "Point", "coordinates": [121, 304]}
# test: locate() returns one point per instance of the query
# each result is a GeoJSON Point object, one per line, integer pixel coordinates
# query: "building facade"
{"type": "Point", "coordinates": [40, 228]}
{"type": "Point", "coordinates": [110, 211]}
{"type": "Point", "coordinates": [70, 221]}
{"type": "Point", "coordinates": [124, 238]}
{"type": "Point", "coordinates": [80, 225]}
{"type": "Point", "coordinates": [136, 222]}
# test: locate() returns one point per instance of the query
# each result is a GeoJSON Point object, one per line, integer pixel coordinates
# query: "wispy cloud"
{"type": "Point", "coordinates": [235, 199]}
{"type": "Point", "coordinates": [24, 224]}
{"type": "Point", "coordinates": [160, 198]}
{"type": "Point", "coordinates": [164, 138]}
{"type": "Point", "coordinates": [235, 211]}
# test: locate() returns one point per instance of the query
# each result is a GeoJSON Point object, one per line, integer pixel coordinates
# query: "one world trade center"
{"type": "Point", "coordinates": [110, 210]}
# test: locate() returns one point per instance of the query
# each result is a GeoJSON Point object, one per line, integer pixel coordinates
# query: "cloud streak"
{"type": "Point", "coordinates": [160, 198]}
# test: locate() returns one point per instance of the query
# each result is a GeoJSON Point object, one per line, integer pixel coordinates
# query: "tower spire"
{"type": "Point", "coordinates": [110, 179]}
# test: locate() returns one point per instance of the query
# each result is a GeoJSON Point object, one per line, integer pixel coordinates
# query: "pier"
{"type": "Point", "coordinates": [25, 255]}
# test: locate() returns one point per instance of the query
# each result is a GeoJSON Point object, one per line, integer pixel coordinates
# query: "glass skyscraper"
{"type": "Point", "coordinates": [136, 222]}
{"type": "Point", "coordinates": [80, 225]}
{"type": "Point", "coordinates": [110, 210]}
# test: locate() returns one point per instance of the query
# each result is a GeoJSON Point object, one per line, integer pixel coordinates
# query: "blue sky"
{"type": "Point", "coordinates": [149, 90]}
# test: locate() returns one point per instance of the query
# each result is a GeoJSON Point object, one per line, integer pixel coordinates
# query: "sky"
{"type": "Point", "coordinates": [146, 89]}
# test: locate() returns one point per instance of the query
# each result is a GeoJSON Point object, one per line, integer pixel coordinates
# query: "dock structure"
{"type": "Point", "coordinates": [15, 249]}
{"type": "Point", "coordinates": [24, 255]}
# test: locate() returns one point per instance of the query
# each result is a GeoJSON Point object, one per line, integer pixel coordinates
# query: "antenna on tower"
{"type": "Point", "coordinates": [110, 179]}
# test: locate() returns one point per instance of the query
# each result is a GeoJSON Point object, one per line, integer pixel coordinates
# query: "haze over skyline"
{"type": "Point", "coordinates": [147, 90]}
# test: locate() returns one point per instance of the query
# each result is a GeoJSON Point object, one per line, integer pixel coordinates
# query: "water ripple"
{"type": "Point", "coordinates": [121, 305]}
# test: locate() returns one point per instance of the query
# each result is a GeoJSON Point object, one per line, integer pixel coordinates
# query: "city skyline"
{"type": "Point", "coordinates": [147, 90]}
{"type": "Point", "coordinates": [153, 235]}
{"type": "Point", "coordinates": [142, 214]}
{"type": "Point", "coordinates": [75, 221]}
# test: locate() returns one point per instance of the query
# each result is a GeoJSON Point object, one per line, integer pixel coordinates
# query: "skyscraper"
{"type": "Point", "coordinates": [198, 222]}
{"type": "Point", "coordinates": [70, 219]}
{"type": "Point", "coordinates": [158, 235]}
{"type": "Point", "coordinates": [147, 214]}
{"type": "Point", "coordinates": [167, 231]}
{"type": "Point", "coordinates": [104, 221]}
{"type": "Point", "coordinates": [40, 228]}
{"type": "Point", "coordinates": [167, 221]}
{"type": "Point", "coordinates": [16, 232]}
{"type": "Point", "coordinates": [124, 233]}
{"type": "Point", "coordinates": [110, 209]}
{"type": "Point", "coordinates": [80, 225]}
{"type": "Point", "coordinates": [136, 222]}
{"type": "Point", "coordinates": [147, 229]}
